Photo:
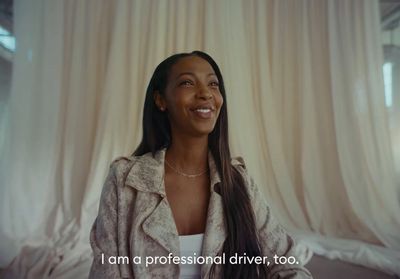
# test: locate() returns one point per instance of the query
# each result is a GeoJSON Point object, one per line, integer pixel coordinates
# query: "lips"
{"type": "Point", "coordinates": [203, 111]}
{"type": "Point", "coordinates": [203, 107]}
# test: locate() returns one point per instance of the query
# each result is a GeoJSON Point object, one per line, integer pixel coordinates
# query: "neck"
{"type": "Point", "coordinates": [188, 154]}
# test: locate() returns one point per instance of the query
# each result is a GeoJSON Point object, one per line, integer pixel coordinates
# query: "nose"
{"type": "Point", "coordinates": [204, 92]}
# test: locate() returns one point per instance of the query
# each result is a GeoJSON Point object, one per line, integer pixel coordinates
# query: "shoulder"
{"type": "Point", "coordinates": [120, 163]}
{"type": "Point", "coordinates": [123, 164]}
{"type": "Point", "coordinates": [239, 164]}
{"type": "Point", "coordinates": [120, 167]}
{"type": "Point", "coordinates": [257, 197]}
{"type": "Point", "coordinates": [137, 169]}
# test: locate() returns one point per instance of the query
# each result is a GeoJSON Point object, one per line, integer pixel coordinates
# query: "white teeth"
{"type": "Point", "coordinates": [203, 110]}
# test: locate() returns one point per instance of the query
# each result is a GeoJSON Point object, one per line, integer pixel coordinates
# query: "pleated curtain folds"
{"type": "Point", "coordinates": [306, 109]}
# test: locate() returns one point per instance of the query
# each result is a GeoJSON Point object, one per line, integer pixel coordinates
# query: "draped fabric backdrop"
{"type": "Point", "coordinates": [306, 111]}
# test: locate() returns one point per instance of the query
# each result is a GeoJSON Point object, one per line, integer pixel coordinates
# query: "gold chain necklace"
{"type": "Point", "coordinates": [184, 174]}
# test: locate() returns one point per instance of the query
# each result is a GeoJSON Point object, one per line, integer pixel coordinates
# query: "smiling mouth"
{"type": "Point", "coordinates": [203, 112]}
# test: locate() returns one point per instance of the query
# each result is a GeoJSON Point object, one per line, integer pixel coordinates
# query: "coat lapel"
{"type": "Point", "coordinates": [160, 226]}
{"type": "Point", "coordinates": [147, 175]}
{"type": "Point", "coordinates": [215, 232]}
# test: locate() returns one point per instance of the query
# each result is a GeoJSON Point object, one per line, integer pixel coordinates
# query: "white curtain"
{"type": "Point", "coordinates": [305, 101]}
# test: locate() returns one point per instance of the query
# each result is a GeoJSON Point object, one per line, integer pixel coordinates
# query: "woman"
{"type": "Point", "coordinates": [182, 194]}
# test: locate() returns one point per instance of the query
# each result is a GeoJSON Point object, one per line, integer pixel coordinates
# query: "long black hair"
{"type": "Point", "coordinates": [242, 234]}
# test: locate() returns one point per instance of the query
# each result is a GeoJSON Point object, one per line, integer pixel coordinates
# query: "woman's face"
{"type": "Point", "coordinates": [192, 98]}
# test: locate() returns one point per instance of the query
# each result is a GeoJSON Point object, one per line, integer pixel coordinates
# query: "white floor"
{"type": "Point", "coordinates": [322, 268]}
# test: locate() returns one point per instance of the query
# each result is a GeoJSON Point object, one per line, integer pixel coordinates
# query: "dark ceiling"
{"type": "Point", "coordinates": [390, 14]}
{"type": "Point", "coordinates": [6, 14]}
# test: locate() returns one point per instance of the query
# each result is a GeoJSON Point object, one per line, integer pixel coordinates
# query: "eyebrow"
{"type": "Point", "coordinates": [192, 74]}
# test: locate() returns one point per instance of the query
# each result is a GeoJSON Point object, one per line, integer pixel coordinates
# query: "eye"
{"type": "Point", "coordinates": [214, 84]}
{"type": "Point", "coordinates": [186, 82]}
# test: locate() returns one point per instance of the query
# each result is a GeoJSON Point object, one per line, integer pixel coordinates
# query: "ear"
{"type": "Point", "coordinates": [159, 101]}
